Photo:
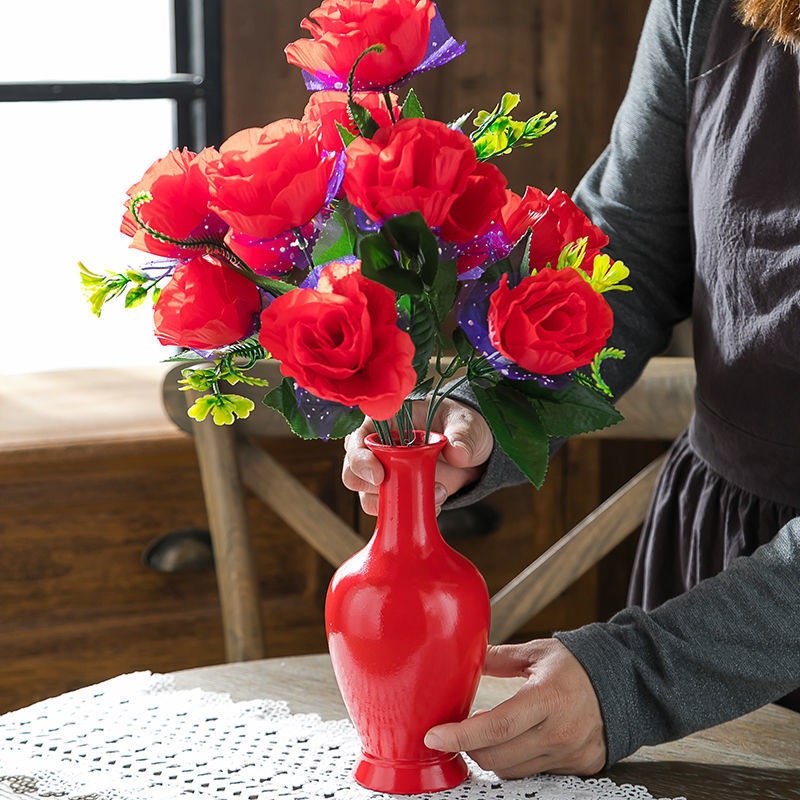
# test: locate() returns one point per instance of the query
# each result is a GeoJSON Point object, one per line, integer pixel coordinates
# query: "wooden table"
{"type": "Point", "coordinates": [756, 757]}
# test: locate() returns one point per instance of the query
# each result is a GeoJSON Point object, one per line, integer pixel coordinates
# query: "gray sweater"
{"type": "Point", "coordinates": [732, 643]}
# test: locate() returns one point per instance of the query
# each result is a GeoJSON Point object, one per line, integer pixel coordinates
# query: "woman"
{"type": "Point", "coordinates": [698, 192]}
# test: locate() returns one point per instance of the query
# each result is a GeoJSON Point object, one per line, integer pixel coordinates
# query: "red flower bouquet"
{"type": "Point", "coordinates": [377, 254]}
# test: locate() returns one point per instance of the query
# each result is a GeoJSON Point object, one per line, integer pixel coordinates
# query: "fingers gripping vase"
{"type": "Point", "coordinates": [407, 620]}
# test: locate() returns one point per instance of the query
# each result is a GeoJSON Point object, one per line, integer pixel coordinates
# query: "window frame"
{"type": "Point", "coordinates": [195, 84]}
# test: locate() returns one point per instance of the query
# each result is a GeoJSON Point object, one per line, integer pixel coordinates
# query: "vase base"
{"type": "Point", "coordinates": [410, 777]}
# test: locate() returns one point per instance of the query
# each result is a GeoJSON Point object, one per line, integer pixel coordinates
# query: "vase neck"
{"type": "Point", "coordinates": [406, 502]}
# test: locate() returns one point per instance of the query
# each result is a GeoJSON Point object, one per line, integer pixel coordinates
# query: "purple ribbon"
{"type": "Point", "coordinates": [321, 415]}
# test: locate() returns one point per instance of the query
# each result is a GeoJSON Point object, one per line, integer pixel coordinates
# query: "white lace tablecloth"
{"type": "Point", "coordinates": [137, 738]}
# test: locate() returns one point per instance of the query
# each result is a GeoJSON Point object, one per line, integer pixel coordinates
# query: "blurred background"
{"type": "Point", "coordinates": [93, 476]}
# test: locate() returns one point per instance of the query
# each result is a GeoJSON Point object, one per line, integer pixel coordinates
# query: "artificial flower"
{"type": "Point", "coordinates": [555, 221]}
{"type": "Point", "coordinates": [269, 180]}
{"type": "Point", "coordinates": [415, 165]}
{"type": "Point", "coordinates": [342, 30]}
{"type": "Point", "coordinates": [341, 341]}
{"type": "Point", "coordinates": [551, 323]}
{"type": "Point", "coordinates": [328, 108]}
{"type": "Point", "coordinates": [476, 209]}
{"type": "Point", "coordinates": [179, 207]}
{"type": "Point", "coordinates": [205, 305]}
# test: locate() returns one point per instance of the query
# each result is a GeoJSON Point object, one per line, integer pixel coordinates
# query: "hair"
{"type": "Point", "coordinates": [780, 18]}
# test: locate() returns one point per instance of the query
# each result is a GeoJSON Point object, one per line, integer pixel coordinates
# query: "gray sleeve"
{"type": "Point", "coordinates": [729, 645]}
{"type": "Point", "coordinates": [637, 192]}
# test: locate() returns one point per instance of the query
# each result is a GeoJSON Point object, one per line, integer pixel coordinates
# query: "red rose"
{"type": "Point", "coordinates": [341, 342]}
{"type": "Point", "coordinates": [329, 107]}
{"type": "Point", "coordinates": [555, 222]}
{"type": "Point", "coordinates": [342, 30]}
{"type": "Point", "coordinates": [180, 203]}
{"type": "Point", "coordinates": [268, 180]}
{"type": "Point", "coordinates": [478, 207]}
{"type": "Point", "coordinates": [551, 323]}
{"type": "Point", "coordinates": [205, 305]}
{"type": "Point", "coordinates": [415, 165]}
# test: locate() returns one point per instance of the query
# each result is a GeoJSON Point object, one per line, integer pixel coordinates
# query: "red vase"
{"type": "Point", "coordinates": [408, 621]}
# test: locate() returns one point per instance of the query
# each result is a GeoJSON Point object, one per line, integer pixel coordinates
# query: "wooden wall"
{"type": "Point", "coordinates": [571, 56]}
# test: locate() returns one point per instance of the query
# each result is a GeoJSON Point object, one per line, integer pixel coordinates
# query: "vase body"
{"type": "Point", "coordinates": [407, 619]}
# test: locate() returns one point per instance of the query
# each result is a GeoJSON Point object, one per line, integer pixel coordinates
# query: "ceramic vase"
{"type": "Point", "coordinates": [407, 620]}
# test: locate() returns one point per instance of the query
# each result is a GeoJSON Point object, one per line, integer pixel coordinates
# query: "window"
{"type": "Point", "coordinates": [88, 102]}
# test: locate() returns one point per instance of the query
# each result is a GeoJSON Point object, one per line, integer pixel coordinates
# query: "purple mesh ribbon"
{"type": "Point", "coordinates": [337, 175]}
{"type": "Point", "coordinates": [277, 256]}
{"type": "Point", "coordinates": [442, 47]}
{"type": "Point", "coordinates": [472, 311]}
{"type": "Point", "coordinates": [476, 256]}
{"type": "Point", "coordinates": [164, 266]}
{"type": "Point", "coordinates": [312, 279]}
{"type": "Point", "coordinates": [321, 415]}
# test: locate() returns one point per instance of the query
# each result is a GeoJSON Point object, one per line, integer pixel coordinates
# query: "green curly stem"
{"type": "Point", "coordinates": [210, 246]}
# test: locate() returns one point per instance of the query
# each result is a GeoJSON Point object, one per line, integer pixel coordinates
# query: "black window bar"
{"type": "Point", "coordinates": [195, 86]}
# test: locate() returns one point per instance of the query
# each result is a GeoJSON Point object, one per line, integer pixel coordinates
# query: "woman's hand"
{"type": "Point", "coordinates": [552, 724]}
{"type": "Point", "coordinates": [460, 463]}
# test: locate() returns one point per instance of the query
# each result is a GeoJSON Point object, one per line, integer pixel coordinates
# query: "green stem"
{"type": "Point", "coordinates": [434, 407]}
{"type": "Point", "coordinates": [212, 247]}
{"type": "Point", "coordinates": [387, 97]}
{"type": "Point", "coordinates": [384, 434]}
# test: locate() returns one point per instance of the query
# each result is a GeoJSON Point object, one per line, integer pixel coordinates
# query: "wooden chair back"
{"type": "Point", "coordinates": [658, 407]}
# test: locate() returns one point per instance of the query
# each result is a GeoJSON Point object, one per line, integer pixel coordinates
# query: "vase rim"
{"type": "Point", "coordinates": [435, 441]}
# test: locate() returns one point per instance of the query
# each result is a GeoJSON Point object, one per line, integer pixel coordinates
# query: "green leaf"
{"type": "Point", "coordinates": [156, 294]}
{"type": "Point", "coordinates": [199, 379]}
{"type": "Point", "coordinates": [423, 329]}
{"type": "Point", "coordinates": [240, 406]}
{"type": "Point", "coordinates": [517, 428]}
{"type": "Point", "coordinates": [201, 407]}
{"type": "Point", "coordinates": [135, 297]}
{"type": "Point", "coordinates": [415, 239]}
{"type": "Point", "coordinates": [495, 271]}
{"type": "Point", "coordinates": [411, 107]}
{"type": "Point", "coordinates": [572, 254]}
{"type": "Point", "coordinates": [443, 291]}
{"type": "Point", "coordinates": [224, 408]}
{"type": "Point", "coordinates": [362, 119]}
{"type": "Point", "coordinates": [525, 264]}
{"type": "Point", "coordinates": [89, 278]}
{"type": "Point", "coordinates": [463, 345]}
{"type": "Point", "coordinates": [376, 252]}
{"type": "Point", "coordinates": [576, 409]}
{"type": "Point", "coordinates": [97, 298]}
{"type": "Point", "coordinates": [607, 274]}
{"type": "Point", "coordinates": [421, 391]}
{"type": "Point", "coordinates": [346, 135]}
{"type": "Point", "coordinates": [337, 240]}
{"type": "Point", "coordinates": [347, 423]}
{"type": "Point", "coordinates": [283, 399]}
{"type": "Point", "coordinates": [379, 263]}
